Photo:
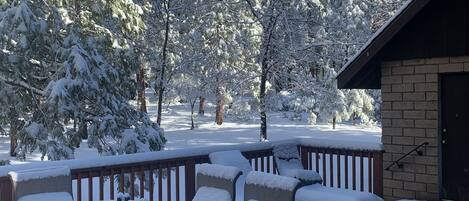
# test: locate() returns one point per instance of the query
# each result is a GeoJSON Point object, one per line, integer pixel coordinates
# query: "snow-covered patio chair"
{"type": "Point", "coordinates": [315, 192]}
{"type": "Point", "coordinates": [51, 184]}
{"type": "Point", "coordinates": [287, 159]}
{"type": "Point", "coordinates": [216, 182]}
{"type": "Point", "coordinates": [233, 158]}
{"type": "Point", "coordinates": [262, 186]}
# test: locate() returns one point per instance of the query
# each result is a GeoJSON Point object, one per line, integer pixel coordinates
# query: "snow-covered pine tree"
{"type": "Point", "coordinates": [75, 64]}
{"type": "Point", "coordinates": [219, 34]}
{"type": "Point", "coordinates": [332, 105]}
{"type": "Point", "coordinates": [360, 106]}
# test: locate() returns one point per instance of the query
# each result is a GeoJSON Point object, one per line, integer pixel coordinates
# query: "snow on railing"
{"type": "Point", "coordinates": [171, 173]}
{"type": "Point", "coordinates": [190, 152]}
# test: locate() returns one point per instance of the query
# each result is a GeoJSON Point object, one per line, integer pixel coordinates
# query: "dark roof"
{"type": "Point", "coordinates": [363, 70]}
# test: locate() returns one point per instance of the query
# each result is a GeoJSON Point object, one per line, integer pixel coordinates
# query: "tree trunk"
{"type": "Point", "coordinates": [83, 130]}
{"type": "Point", "coordinates": [192, 114]}
{"type": "Point", "coordinates": [263, 113]}
{"type": "Point", "coordinates": [141, 90]}
{"type": "Point", "coordinates": [15, 126]}
{"type": "Point", "coordinates": [333, 122]}
{"type": "Point", "coordinates": [13, 141]}
{"type": "Point", "coordinates": [201, 106]}
{"type": "Point", "coordinates": [220, 107]}
{"type": "Point", "coordinates": [354, 118]}
{"type": "Point", "coordinates": [163, 65]}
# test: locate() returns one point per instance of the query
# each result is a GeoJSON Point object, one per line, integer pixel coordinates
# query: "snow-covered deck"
{"type": "Point", "coordinates": [171, 174]}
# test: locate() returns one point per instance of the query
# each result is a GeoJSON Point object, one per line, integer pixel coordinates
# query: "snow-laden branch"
{"type": "Point", "coordinates": [23, 84]}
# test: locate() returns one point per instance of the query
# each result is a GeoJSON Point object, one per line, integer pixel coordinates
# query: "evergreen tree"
{"type": "Point", "coordinates": [60, 67]}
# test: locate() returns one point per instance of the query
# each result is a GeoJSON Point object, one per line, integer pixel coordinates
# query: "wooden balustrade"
{"type": "Point", "coordinates": [174, 179]}
{"type": "Point", "coordinates": [336, 165]}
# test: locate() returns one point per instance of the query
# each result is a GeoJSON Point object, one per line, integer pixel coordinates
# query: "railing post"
{"type": "Point", "coordinates": [6, 190]}
{"type": "Point", "coordinates": [190, 179]}
{"type": "Point", "coordinates": [378, 173]}
{"type": "Point", "coordinates": [304, 157]}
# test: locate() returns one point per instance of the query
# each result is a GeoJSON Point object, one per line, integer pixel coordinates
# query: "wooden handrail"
{"type": "Point", "coordinates": [156, 172]}
{"type": "Point", "coordinates": [416, 149]}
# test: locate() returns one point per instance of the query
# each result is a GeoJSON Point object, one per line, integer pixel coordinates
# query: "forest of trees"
{"type": "Point", "coordinates": [69, 68]}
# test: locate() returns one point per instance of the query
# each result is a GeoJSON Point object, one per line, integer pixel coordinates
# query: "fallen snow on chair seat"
{"type": "Point", "coordinates": [211, 194]}
{"type": "Point", "coordinates": [304, 175]}
{"type": "Point", "coordinates": [47, 197]}
{"type": "Point", "coordinates": [272, 181]}
{"type": "Point", "coordinates": [219, 171]}
{"type": "Point", "coordinates": [318, 192]}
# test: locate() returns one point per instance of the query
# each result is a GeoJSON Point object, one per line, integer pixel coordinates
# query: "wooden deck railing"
{"type": "Point", "coordinates": [174, 178]}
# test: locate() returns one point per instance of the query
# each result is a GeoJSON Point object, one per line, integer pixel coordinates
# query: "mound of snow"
{"type": "Point", "coordinates": [47, 197]}
{"type": "Point", "coordinates": [318, 192]}
{"type": "Point", "coordinates": [39, 173]}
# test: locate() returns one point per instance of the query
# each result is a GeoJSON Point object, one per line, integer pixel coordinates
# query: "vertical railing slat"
{"type": "Point", "coordinates": [168, 183]}
{"type": "Point", "coordinates": [370, 182]}
{"type": "Point", "coordinates": [152, 183]}
{"type": "Point", "coordinates": [346, 169]}
{"type": "Point", "coordinates": [101, 185]}
{"type": "Point", "coordinates": [331, 168]}
{"type": "Point", "coordinates": [142, 182]}
{"type": "Point", "coordinates": [90, 186]}
{"type": "Point", "coordinates": [190, 179]}
{"type": "Point", "coordinates": [132, 184]}
{"type": "Point", "coordinates": [262, 164]}
{"type": "Point", "coordinates": [256, 163]}
{"type": "Point", "coordinates": [268, 164]}
{"type": "Point", "coordinates": [177, 183]}
{"type": "Point", "coordinates": [324, 175]}
{"type": "Point", "coordinates": [304, 157]}
{"type": "Point", "coordinates": [317, 160]}
{"type": "Point", "coordinates": [361, 173]}
{"type": "Point", "coordinates": [160, 183]}
{"type": "Point", "coordinates": [354, 172]}
{"type": "Point", "coordinates": [121, 181]}
{"type": "Point", "coordinates": [78, 187]}
{"type": "Point", "coordinates": [111, 185]}
{"type": "Point", "coordinates": [339, 181]}
{"type": "Point", "coordinates": [378, 173]}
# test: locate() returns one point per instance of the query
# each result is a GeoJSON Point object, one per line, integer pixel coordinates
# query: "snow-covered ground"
{"type": "Point", "coordinates": [176, 123]}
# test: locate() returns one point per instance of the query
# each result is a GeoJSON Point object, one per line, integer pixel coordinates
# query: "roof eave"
{"type": "Point", "coordinates": [377, 43]}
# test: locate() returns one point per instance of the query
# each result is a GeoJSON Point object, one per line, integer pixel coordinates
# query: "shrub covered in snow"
{"type": "Point", "coordinates": [241, 109]}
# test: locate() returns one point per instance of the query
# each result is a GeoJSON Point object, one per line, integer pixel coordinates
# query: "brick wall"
{"type": "Point", "coordinates": [410, 117]}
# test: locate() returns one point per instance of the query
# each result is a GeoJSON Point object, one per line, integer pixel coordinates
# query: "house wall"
{"type": "Point", "coordinates": [410, 117]}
